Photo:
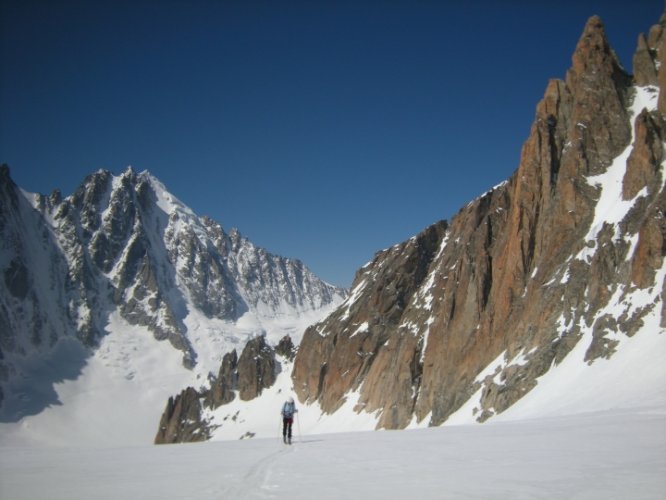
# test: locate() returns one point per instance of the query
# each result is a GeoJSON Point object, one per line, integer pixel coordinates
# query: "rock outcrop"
{"type": "Point", "coordinates": [183, 419]}
{"type": "Point", "coordinates": [511, 283]}
{"type": "Point", "coordinates": [286, 348]}
{"type": "Point", "coordinates": [222, 388]}
{"type": "Point", "coordinates": [256, 369]}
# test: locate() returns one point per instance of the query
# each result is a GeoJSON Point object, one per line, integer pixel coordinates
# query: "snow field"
{"type": "Point", "coordinates": [122, 389]}
{"type": "Point", "coordinates": [608, 455]}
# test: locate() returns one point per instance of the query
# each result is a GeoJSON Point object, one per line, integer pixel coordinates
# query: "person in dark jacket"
{"type": "Point", "coordinates": [288, 410]}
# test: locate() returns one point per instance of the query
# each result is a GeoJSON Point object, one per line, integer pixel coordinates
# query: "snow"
{"type": "Point", "coordinates": [364, 327]}
{"type": "Point", "coordinates": [588, 430]}
{"type": "Point", "coordinates": [609, 455]}
{"type": "Point", "coordinates": [426, 336]}
{"type": "Point", "coordinates": [167, 202]}
{"type": "Point", "coordinates": [260, 417]}
{"type": "Point", "coordinates": [117, 398]}
{"type": "Point", "coordinates": [353, 297]}
{"type": "Point", "coordinates": [633, 377]}
{"type": "Point", "coordinates": [611, 207]}
{"type": "Point", "coordinates": [493, 368]}
{"type": "Point", "coordinates": [117, 395]}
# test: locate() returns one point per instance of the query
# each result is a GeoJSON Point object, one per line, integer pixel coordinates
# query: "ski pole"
{"type": "Point", "coordinates": [298, 423]}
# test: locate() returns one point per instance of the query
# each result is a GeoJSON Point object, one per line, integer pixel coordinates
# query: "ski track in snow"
{"type": "Point", "coordinates": [619, 454]}
{"type": "Point", "coordinates": [569, 438]}
{"type": "Point", "coordinates": [257, 481]}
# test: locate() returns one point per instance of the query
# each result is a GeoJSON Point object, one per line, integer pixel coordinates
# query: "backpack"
{"type": "Point", "coordinates": [288, 410]}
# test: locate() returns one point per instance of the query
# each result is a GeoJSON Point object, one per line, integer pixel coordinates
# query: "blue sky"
{"type": "Point", "coordinates": [324, 131]}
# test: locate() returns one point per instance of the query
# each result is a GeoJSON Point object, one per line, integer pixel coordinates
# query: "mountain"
{"type": "Point", "coordinates": [563, 261]}
{"type": "Point", "coordinates": [543, 296]}
{"type": "Point", "coordinates": [124, 257]}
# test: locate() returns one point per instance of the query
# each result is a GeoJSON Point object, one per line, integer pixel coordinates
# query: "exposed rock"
{"type": "Point", "coordinates": [181, 420]}
{"type": "Point", "coordinates": [286, 348]}
{"type": "Point", "coordinates": [645, 72]}
{"type": "Point", "coordinates": [340, 351]}
{"type": "Point", "coordinates": [16, 279]}
{"type": "Point", "coordinates": [656, 45]}
{"type": "Point", "coordinates": [646, 156]}
{"type": "Point", "coordinates": [222, 388]}
{"type": "Point", "coordinates": [513, 276]}
{"type": "Point", "coordinates": [651, 247]}
{"type": "Point", "coordinates": [600, 89]}
{"type": "Point", "coordinates": [249, 375]}
{"type": "Point", "coordinates": [254, 371]}
{"type": "Point", "coordinates": [256, 368]}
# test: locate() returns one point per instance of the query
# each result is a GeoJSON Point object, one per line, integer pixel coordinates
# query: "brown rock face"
{"type": "Point", "coordinates": [651, 247]}
{"type": "Point", "coordinates": [286, 348]}
{"type": "Point", "coordinates": [181, 420]}
{"type": "Point", "coordinates": [336, 356]}
{"type": "Point", "coordinates": [256, 369]}
{"type": "Point", "coordinates": [222, 388]}
{"type": "Point", "coordinates": [514, 275]}
{"type": "Point", "coordinates": [645, 160]}
{"type": "Point", "coordinates": [645, 72]}
{"type": "Point", "coordinates": [656, 48]}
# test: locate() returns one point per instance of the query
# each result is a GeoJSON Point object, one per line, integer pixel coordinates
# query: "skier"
{"type": "Point", "coordinates": [288, 410]}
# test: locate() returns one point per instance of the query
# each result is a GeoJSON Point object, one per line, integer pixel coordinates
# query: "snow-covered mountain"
{"type": "Point", "coordinates": [543, 296]}
{"type": "Point", "coordinates": [122, 281]}
{"type": "Point", "coordinates": [539, 309]}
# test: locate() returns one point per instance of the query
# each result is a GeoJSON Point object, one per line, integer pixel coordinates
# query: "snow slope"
{"type": "Point", "coordinates": [609, 455]}
{"type": "Point", "coordinates": [634, 377]}
{"type": "Point", "coordinates": [122, 388]}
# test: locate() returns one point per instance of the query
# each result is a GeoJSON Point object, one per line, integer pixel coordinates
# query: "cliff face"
{"type": "Point", "coordinates": [564, 247]}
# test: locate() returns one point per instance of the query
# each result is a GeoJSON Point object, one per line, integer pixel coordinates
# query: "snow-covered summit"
{"type": "Point", "coordinates": [122, 254]}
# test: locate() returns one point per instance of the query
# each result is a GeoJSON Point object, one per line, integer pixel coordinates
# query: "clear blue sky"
{"type": "Point", "coordinates": [323, 131]}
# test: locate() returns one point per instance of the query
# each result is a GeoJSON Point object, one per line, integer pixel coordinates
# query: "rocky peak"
{"type": "Point", "coordinates": [519, 273]}
{"type": "Point", "coordinates": [4, 173]}
{"type": "Point", "coordinates": [648, 69]}
{"type": "Point", "coordinates": [599, 87]}
{"type": "Point", "coordinates": [647, 53]}
{"type": "Point", "coordinates": [181, 420]}
{"type": "Point", "coordinates": [286, 348]}
{"type": "Point", "coordinates": [593, 53]}
{"type": "Point", "coordinates": [7, 190]}
{"type": "Point", "coordinates": [223, 386]}
{"type": "Point", "coordinates": [124, 244]}
{"type": "Point", "coordinates": [256, 368]}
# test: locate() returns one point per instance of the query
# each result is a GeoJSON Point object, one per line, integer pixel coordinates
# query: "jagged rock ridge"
{"type": "Point", "coordinates": [256, 369]}
{"type": "Point", "coordinates": [124, 243]}
{"type": "Point", "coordinates": [565, 251]}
